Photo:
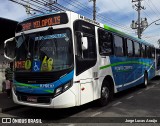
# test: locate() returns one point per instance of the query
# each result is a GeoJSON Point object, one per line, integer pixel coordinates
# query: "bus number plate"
{"type": "Point", "coordinates": [32, 99]}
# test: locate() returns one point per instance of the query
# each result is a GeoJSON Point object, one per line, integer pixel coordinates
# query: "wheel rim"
{"type": "Point", "coordinates": [105, 92]}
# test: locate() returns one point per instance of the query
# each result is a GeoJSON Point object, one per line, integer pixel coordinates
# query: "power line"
{"type": "Point", "coordinates": [57, 7]}
{"type": "Point", "coordinates": [151, 8]}
{"type": "Point", "coordinates": [155, 7]}
{"type": "Point", "coordinates": [118, 7]}
{"type": "Point", "coordinates": [40, 8]}
{"type": "Point", "coordinates": [148, 16]}
{"type": "Point", "coordinates": [100, 16]}
{"type": "Point", "coordinates": [24, 5]}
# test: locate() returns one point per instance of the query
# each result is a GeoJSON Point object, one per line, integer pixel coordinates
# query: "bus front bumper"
{"type": "Point", "coordinates": [65, 100]}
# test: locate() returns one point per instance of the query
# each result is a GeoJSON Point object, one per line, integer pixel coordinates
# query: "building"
{"type": "Point", "coordinates": [7, 30]}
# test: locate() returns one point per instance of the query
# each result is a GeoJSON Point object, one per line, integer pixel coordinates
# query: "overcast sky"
{"type": "Point", "coordinates": [115, 13]}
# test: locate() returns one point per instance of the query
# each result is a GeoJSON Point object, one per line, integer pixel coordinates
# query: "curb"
{"type": "Point", "coordinates": [10, 108]}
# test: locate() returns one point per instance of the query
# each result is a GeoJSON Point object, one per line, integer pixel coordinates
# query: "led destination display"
{"type": "Point", "coordinates": [49, 20]}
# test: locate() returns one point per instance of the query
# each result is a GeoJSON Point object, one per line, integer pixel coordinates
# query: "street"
{"type": "Point", "coordinates": [135, 102]}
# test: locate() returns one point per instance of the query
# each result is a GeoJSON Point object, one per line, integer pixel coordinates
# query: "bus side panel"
{"type": "Point", "coordinates": [151, 69]}
{"type": "Point", "coordinates": [129, 72]}
{"type": "Point", "coordinates": [104, 70]}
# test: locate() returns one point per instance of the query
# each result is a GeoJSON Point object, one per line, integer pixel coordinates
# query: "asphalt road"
{"type": "Point", "coordinates": [130, 104]}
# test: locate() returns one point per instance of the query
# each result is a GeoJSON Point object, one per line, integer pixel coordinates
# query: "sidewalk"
{"type": "Point", "coordinates": [7, 104]}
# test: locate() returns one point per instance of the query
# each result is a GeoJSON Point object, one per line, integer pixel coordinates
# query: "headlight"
{"type": "Point", "coordinates": [58, 91]}
{"type": "Point", "coordinates": [66, 86]}
{"type": "Point", "coordinates": [63, 88]}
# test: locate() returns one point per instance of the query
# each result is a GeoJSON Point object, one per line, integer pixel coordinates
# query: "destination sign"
{"type": "Point", "coordinates": [44, 21]}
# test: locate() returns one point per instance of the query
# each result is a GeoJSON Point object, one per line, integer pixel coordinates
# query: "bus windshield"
{"type": "Point", "coordinates": [46, 51]}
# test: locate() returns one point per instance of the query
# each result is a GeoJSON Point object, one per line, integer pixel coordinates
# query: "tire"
{"type": "Point", "coordinates": [145, 83]}
{"type": "Point", "coordinates": [106, 94]}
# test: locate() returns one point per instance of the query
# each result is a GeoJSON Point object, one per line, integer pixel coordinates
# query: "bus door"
{"type": "Point", "coordinates": [86, 59]}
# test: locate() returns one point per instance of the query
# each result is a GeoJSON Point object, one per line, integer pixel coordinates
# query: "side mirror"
{"type": "Point", "coordinates": [10, 49]}
{"type": "Point", "coordinates": [84, 43]}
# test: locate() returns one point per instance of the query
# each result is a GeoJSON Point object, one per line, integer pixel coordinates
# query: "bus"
{"type": "Point", "coordinates": [64, 60]}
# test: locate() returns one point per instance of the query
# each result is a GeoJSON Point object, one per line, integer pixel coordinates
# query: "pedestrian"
{"type": "Point", "coordinates": [3, 86]}
{"type": "Point", "coordinates": [8, 88]}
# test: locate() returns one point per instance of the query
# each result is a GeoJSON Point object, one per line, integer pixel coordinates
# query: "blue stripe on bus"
{"type": "Point", "coordinates": [131, 74]}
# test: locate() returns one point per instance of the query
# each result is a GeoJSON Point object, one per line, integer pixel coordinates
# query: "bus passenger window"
{"type": "Point", "coordinates": [105, 42]}
{"type": "Point", "coordinates": [153, 52]}
{"type": "Point", "coordinates": [130, 48]}
{"type": "Point", "coordinates": [137, 49]}
{"type": "Point", "coordinates": [148, 51]}
{"type": "Point", "coordinates": [118, 46]}
{"type": "Point", "coordinates": [143, 54]}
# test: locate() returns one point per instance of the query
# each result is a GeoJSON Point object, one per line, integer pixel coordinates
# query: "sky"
{"type": "Point", "coordinates": [115, 13]}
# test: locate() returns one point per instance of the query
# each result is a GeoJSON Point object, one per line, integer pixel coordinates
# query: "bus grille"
{"type": "Point", "coordinates": [36, 78]}
{"type": "Point", "coordinates": [40, 99]}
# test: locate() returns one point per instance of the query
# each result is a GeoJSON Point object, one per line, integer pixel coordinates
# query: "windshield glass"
{"type": "Point", "coordinates": [45, 51]}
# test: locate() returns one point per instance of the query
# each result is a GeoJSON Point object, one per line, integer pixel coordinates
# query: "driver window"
{"type": "Point", "coordinates": [90, 53]}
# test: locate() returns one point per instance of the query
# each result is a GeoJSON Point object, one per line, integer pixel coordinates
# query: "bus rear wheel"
{"type": "Point", "coordinates": [106, 94]}
{"type": "Point", "coordinates": [145, 83]}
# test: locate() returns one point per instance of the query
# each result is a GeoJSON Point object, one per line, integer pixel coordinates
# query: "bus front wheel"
{"type": "Point", "coordinates": [106, 94]}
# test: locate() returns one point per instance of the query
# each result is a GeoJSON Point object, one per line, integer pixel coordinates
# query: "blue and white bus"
{"type": "Point", "coordinates": [64, 59]}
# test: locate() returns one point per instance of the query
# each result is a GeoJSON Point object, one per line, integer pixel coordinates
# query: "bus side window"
{"type": "Point", "coordinates": [137, 49]}
{"type": "Point", "coordinates": [148, 51]}
{"type": "Point", "coordinates": [105, 42]}
{"type": "Point", "coordinates": [143, 52]}
{"type": "Point", "coordinates": [129, 48]}
{"type": "Point", "coordinates": [153, 52]}
{"type": "Point", "coordinates": [118, 46]}
{"type": "Point", "coordinates": [146, 54]}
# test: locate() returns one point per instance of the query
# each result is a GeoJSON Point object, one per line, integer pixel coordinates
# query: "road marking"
{"type": "Point", "coordinates": [129, 97]}
{"type": "Point", "coordinates": [96, 114]}
{"type": "Point", "coordinates": [71, 125]}
{"type": "Point", "coordinates": [116, 103]}
{"type": "Point", "coordinates": [147, 89]}
{"type": "Point", "coordinates": [140, 92]}
{"type": "Point", "coordinates": [153, 86]}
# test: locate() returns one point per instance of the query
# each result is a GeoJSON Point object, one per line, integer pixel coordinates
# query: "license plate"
{"type": "Point", "coordinates": [32, 99]}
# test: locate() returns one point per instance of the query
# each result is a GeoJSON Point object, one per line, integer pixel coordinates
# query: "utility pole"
{"type": "Point", "coordinates": [140, 24]}
{"type": "Point", "coordinates": [139, 18]}
{"type": "Point", "coordinates": [94, 9]}
{"type": "Point", "coordinates": [158, 42]}
{"type": "Point", "coordinates": [28, 8]}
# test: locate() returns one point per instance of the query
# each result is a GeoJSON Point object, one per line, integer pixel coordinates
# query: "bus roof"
{"type": "Point", "coordinates": [104, 26]}
{"type": "Point", "coordinates": [129, 36]}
